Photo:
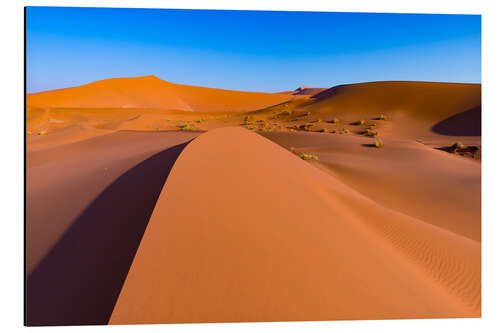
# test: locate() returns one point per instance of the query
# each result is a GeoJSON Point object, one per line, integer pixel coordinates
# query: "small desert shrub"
{"type": "Point", "coordinates": [42, 132]}
{"type": "Point", "coordinates": [247, 122]}
{"type": "Point", "coordinates": [457, 145]}
{"type": "Point", "coordinates": [334, 131]}
{"type": "Point", "coordinates": [308, 157]}
{"type": "Point", "coordinates": [285, 113]}
{"type": "Point", "coordinates": [359, 122]}
{"type": "Point", "coordinates": [200, 120]}
{"type": "Point", "coordinates": [370, 132]}
{"type": "Point", "coordinates": [378, 143]}
{"type": "Point", "coordinates": [250, 127]}
{"type": "Point", "coordinates": [306, 127]}
{"type": "Point", "coordinates": [293, 150]}
{"type": "Point", "coordinates": [345, 131]}
{"type": "Point", "coordinates": [248, 118]}
{"type": "Point", "coordinates": [322, 130]}
{"type": "Point", "coordinates": [186, 127]}
{"type": "Point", "coordinates": [334, 121]}
{"type": "Point", "coordinates": [382, 117]}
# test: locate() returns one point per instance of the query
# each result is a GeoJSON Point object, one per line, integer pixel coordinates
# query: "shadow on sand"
{"type": "Point", "coordinates": [467, 123]}
{"type": "Point", "coordinates": [79, 281]}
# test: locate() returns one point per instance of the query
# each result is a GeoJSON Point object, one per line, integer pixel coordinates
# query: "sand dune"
{"type": "Point", "coordinates": [435, 113]}
{"type": "Point", "coordinates": [304, 91]}
{"type": "Point", "coordinates": [415, 106]}
{"type": "Point", "coordinates": [152, 92]}
{"type": "Point", "coordinates": [239, 228]}
{"type": "Point", "coordinates": [88, 204]}
{"type": "Point", "coordinates": [274, 238]}
{"type": "Point", "coordinates": [405, 176]}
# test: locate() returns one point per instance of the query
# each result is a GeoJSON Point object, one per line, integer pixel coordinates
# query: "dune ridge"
{"type": "Point", "coordinates": [289, 242]}
{"type": "Point", "coordinates": [152, 92]}
{"type": "Point", "coordinates": [415, 106]}
{"type": "Point", "coordinates": [304, 90]}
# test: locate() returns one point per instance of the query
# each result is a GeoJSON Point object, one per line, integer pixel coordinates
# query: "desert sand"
{"type": "Point", "coordinates": [152, 202]}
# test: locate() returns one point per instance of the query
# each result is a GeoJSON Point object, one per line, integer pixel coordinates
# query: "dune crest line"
{"type": "Point", "coordinates": [270, 247]}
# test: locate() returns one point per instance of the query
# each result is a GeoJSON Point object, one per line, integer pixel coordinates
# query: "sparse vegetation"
{"type": "Point", "coordinates": [322, 130]}
{"type": "Point", "coordinates": [285, 113]}
{"type": "Point", "coordinates": [359, 122]}
{"type": "Point", "coordinates": [458, 148]}
{"type": "Point", "coordinates": [334, 121]}
{"type": "Point", "coordinates": [306, 127]}
{"type": "Point", "coordinates": [382, 117]}
{"type": "Point", "coordinates": [309, 157]}
{"type": "Point", "coordinates": [186, 127]}
{"type": "Point", "coordinates": [42, 132]}
{"type": "Point", "coordinates": [457, 145]}
{"type": "Point", "coordinates": [370, 132]}
{"type": "Point", "coordinates": [378, 143]}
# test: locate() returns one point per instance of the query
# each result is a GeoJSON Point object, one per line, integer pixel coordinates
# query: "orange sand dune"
{"type": "Point", "coordinates": [152, 92]}
{"type": "Point", "coordinates": [415, 106]}
{"type": "Point", "coordinates": [304, 91]}
{"type": "Point", "coordinates": [436, 113]}
{"type": "Point", "coordinates": [405, 176]}
{"type": "Point", "coordinates": [254, 233]}
{"type": "Point", "coordinates": [63, 179]}
{"type": "Point", "coordinates": [88, 204]}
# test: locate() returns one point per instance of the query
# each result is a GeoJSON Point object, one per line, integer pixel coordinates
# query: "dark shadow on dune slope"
{"type": "Point", "coordinates": [329, 92]}
{"type": "Point", "coordinates": [467, 123]}
{"type": "Point", "coordinates": [79, 281]}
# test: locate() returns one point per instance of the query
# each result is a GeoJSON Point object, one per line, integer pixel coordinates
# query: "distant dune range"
{"type": "Point", "coordinates": [151, 202]}
{"type": "Point", "coordinates": [418, 110]}
{"type": "Point", "coordinates": [153, 93]}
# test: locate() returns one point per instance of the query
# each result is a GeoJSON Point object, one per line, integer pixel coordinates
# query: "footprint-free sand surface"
{"type": "Point", "coordinates": [151, 202]}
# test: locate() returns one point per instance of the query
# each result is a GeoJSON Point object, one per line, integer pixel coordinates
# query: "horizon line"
{"type": "Point", "coordinates": [229, 89]}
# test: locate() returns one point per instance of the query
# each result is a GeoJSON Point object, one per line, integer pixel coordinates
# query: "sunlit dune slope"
{"type": "Point", "coordinates": [416, 106]}
{"type": "Point", "coordinates": [152, 92]}
{"type": "Point", "coordinates": [417, 180]}
{"type": "Point", "coordinates": [254, 233]}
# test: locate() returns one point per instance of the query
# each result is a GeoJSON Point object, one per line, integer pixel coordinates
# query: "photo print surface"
{"type": "Point", "coordinates": [209, 166]}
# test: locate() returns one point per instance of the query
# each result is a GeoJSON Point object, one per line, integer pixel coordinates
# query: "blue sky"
{"type": "Point", "coordinates": [247, 50]}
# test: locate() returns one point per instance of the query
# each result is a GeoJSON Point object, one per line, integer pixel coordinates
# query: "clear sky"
{"type": "Point", "coordinates": [247, 50]}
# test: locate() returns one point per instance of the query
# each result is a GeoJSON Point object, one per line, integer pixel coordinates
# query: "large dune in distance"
{"type": "Point", "coordinates": [152, 92]}
{"type": "Point", "coordinates": [254, 233]}
{"type": "Point", "coordinates": [415, 106]}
